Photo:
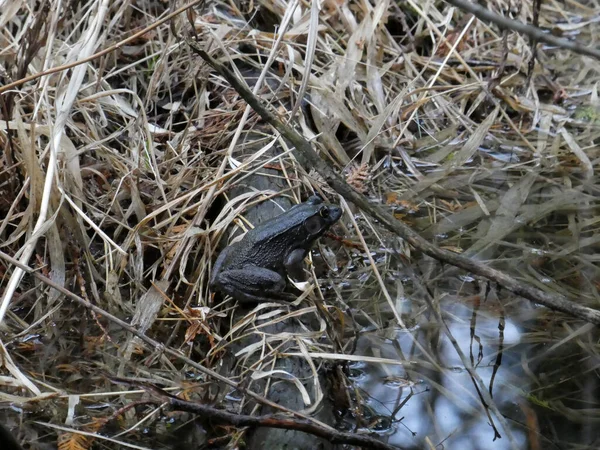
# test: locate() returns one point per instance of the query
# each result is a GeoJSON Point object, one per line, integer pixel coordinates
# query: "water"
{"type": "Point", "coordinates": [434, 403]}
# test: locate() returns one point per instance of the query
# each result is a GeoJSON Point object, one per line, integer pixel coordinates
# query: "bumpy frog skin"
{"type": "Point", "coordinates": [254, 268]}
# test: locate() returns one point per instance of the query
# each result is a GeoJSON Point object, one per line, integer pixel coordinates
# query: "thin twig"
{"type": "Point", "coordinates": [536, 34]}
{"type": "Point", "coordinates": [310, 159]}
{"type": "Point", "coordinates": [486, 397]}
{"type": "Point", "coordinates": [215, 415]}
{"type": "Point", "coordinates": [101, 53]}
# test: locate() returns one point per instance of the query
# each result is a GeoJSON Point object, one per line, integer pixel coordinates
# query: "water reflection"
{"type": "Point", "coordinates": [435, 403]}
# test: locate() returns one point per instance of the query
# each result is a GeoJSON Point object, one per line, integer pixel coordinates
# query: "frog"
{"type": "Point", "coordinates": [254, 269]}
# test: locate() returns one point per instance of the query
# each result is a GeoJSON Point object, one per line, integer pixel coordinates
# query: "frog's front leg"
{"type": "Point", "coordinates": [251, 284]}
{"type": "Point", "coordinates": [294, 264]}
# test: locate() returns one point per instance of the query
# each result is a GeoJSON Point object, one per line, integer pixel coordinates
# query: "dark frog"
{"type": "Point", "coordinates": [254, 268]}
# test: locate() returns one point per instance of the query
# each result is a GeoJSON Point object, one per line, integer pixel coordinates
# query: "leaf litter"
{"type": "Point", "coordinates": [116, 180]}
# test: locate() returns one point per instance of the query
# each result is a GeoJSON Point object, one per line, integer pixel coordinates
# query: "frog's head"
{"type": "Point", "coordinates": [320, 217]}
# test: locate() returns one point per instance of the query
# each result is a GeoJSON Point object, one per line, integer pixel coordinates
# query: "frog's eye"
{"type": "Point", "coordinates": [313, 225]}
{"type": "Point", "coordinates": [324, 212]}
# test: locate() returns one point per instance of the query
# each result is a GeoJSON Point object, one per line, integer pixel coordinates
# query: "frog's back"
{"type": "Point", "coordinates": [268, 244]}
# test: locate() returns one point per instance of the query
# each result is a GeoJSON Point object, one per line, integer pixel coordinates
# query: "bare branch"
{"type": "Point", "coordinates": [215, 415]}
{"type": "Point", "coordinates": [537, 34]}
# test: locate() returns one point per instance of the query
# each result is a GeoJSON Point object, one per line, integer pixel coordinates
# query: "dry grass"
{"type": "Point", "coordinates": [119, 177]}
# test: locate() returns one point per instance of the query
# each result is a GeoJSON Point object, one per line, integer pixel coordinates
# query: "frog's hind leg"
{"type": "Point", "coordinates": [252, 284]}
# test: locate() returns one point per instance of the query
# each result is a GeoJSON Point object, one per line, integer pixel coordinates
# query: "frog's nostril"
{"type": "Point", "coordinates": [335, 213]}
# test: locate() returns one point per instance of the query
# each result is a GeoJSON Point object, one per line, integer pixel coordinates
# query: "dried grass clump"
{"type": "Point", "coordinates": [120, 177]}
